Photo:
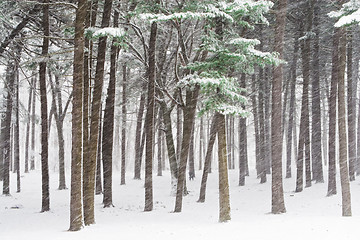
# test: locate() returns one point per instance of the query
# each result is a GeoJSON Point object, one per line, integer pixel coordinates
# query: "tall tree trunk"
{"type": "Point", "coordinates": [159, 145]}
{"type": "Point", "coordinates": [16, 124]}
{"type": "Point", "coordinates": [150, 120]}
{"type": "Point", "coordinates": [90, 162]}
{"type": "Point", "coordinates": [10, 79]}
{"type": "Point", "coordinates": [316, 154]}
{"type": "Point", "coordinates": [28, 121]}
{"type": "Point", "coordinates": [267, 127]}
{"type": "Point", "coordinates": [256, 124]}
{"type": "Point", "coordinates": [189, 118]}
{"type": "Point", "coordinates": [208, 156]}
{"type": "Point", "coordinates": [99, 158]}
{"type": "Point", "coordinates": [191, 155]}
{"type": "Point", "coordinates": [201, 142]}
{"type": "Point", "coordinates": [292, 110]}
{"type": "Point", "coordinates": [123, 126]}
{"type": "Point", "coordinates": [33, 126]}
{"type": "Point", "coordinates": [242, 140]}
{"type": "Point", "coordinates": [262, 166]}
{"type": "Point", "coordinates": [224, 196]}
{"type": "Point", "coordinates": [108, 126]}
{"type": "Point", "coordinates": [76, 213]}
{"type": "Point", "coordinates": [44, 119]}
{"type": "Point", "coordinates": [137, 169]}
{"type": "Point", "coordinates": [332, 114]}
{"type": "Point", "coordinates": [277, 202]}
{"type": "Point", "coordinates": [351, 106]}
{"type": "Point", "coordinates": [343, 158]}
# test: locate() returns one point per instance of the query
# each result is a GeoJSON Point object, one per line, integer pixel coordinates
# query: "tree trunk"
{"type": "Point", "coordinates": [108, 126]}
{"type": "Point", "coordinates": [201, 142]}
{"type": "Point", "coordinates": [343, 147]}
{"type": "Point", "coordinates": [256, 125]}
{"type": "Point", "coordinates": [33, 126]}
{"type": "Point", "coordinates": [224, 196]}
{"type": "Point", "coordinates": [191, 155]}
{"type": "Point", "coordinates": [90, 162]}
{"type": "Point", "coordinates": [189, 118]}
{"type": "Point", "coordinates": [242, 141]}
{"type": "Point", "coordinates": [332, 114]}
{"type": "Point", "coordinates": [159, 146]}
{"type": "Point", "coordinates": [351, 106]}
{"type": "Point", "coordinates": [123, 126]}
{"type": "Point", "coordinates": [277, 202]}
{"type": "Point", "coordinates": [292, 110]}
{"type": "Point", "coordinates": [10, 80]}
{"type": "Point", "coordinates": [76, 214]}
{"type": "Point", "coordinates": [316, 154]}
{"type": "Point", "coordinates": [44, 119]}
{"type": "Point", "coordinates": [208, 156]}
{"type": "Point", "coordinates": [99, 157]}
{"type": "Point", "coordinates": [16, 124]}
{"type": "Point", "coordinates": [150, 120]}
{"type": "Point", "coordinates": [138, 140]}
{"type": "Point", "coordinates": [28, 121]}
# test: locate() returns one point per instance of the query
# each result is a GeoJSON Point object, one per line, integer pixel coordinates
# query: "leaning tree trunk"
{"type": "Point", "coordinates": [277, 200]}
{"type": "Point", "coordinates": [212, 136]}
{"type": "Point", "coordinates": [90, 162]}
{"type": "Point", "coordinates": [44, 119]}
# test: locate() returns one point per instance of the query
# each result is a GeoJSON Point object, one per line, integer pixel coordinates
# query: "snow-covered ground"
{"type": "Point", "coordinates": [310, 214]}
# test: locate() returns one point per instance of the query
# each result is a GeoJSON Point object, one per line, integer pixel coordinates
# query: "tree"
{"type": "Point", "coordinates": [76, 214]}
{"type": "Point", "coordinates": [90, 161]}
{"type": "Point", "coordinates": [44, 118]}
{"type": "Point", "coordinates": [277, 200]}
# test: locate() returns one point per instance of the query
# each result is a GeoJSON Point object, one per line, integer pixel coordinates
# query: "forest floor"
{"type": "Point", "coordinates": [310, 214]}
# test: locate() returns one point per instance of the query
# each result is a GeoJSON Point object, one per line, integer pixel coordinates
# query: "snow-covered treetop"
{"type": "Point", "coordinates": [348, 14]}
{"type": "Point", "coordinates": [232, 11]}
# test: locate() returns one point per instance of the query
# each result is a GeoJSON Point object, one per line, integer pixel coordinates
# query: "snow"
{"type": "Point", "coordinates": [310, 214]}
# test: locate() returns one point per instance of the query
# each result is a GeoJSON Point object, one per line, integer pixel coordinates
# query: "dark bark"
{"type": "Point", "coordinates": [277, 200]}
{"type": "Point", "coordinates": [208, 156]}
{"type": "Point", "coordinates": [150, 120]}
{"type": "Point", "coordinates": [123, 126]}
{"type": "Point", "coordinates": [18, 50]}
{"type": "Point", "coordinates": [108, 126]}
{"type": "Point", "coordinates": [243, 156]}
{"type": "Point", "coordinates": [44, 118]}
{"type": "Point", "coordinates": [189, 118]}
{"type": "Point", "coordinates": [191, 155]}
{"type": "Point", "coordinates": [262, 165]}
{"type": "Point", "coordinates": [256, 124]}
{"type": "Point", "coordinates": [201, 142]}
{"type": "Point", "coordinates": [18, 28]}
{"type": "Point", "coordinates": [90, 161]}
{"type": "Point", "coordinates": [76, 214]}
{"type": "Point", "coordinates": [99, 158]}
{"type": "Point", "coordinates": [159, 146]}
{"type": "Point", "coordinates": [10, 79]}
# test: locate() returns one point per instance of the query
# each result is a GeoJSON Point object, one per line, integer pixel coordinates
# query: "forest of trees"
{"type": "Point", "coordinates": [188, 87]}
